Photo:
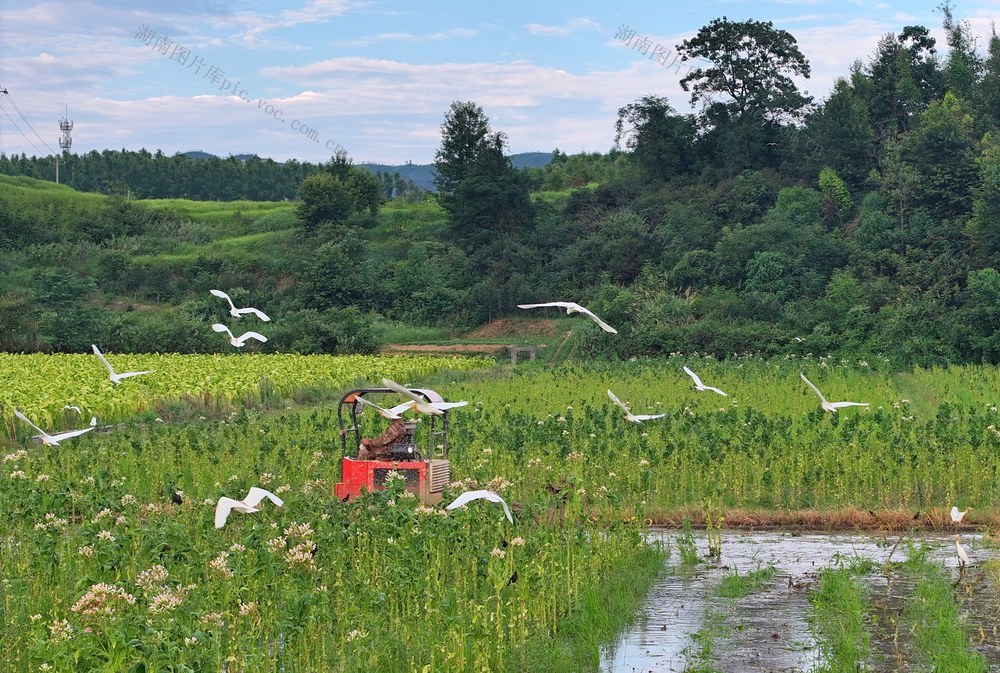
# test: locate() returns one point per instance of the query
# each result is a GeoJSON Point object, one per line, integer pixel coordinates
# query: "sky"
{"type": "Point", "coordinates": [302, 79]}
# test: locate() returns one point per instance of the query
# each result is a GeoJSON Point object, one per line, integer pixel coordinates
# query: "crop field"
{"type": "Point", "coordinates": [101, 568]}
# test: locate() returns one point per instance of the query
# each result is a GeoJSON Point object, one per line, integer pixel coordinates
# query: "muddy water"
{"type": "Point", "coordinates": [767, 630]}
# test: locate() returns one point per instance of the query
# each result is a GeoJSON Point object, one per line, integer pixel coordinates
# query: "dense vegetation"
{"type": "Point", "coordinates": [862, 224]}
{"type": "Point", "coordinates": [154, 175]}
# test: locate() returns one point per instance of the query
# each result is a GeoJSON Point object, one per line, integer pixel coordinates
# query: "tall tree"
{"type": "Point", "coordinates": [660, 139]}
{"type": "Point", "coordinates": [465, 137]}
{"type": "Point", "coordinates": [485, 197]}
{"type": "Point", "coordinates": [963, 67]}
{"type": "Point", "coordinates": [988, 96]}
{"type": "Point", "coordinates": [905, 79]}
{"type": "Point", "coordinates": [751, 64]}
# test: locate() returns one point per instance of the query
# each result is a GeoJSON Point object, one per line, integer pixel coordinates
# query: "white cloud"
{"type": "Point", "coordinates": [409, 38]}
{"type": "Point", "coordinates": [571, 26]}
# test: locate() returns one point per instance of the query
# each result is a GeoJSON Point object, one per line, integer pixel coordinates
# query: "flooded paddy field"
{"type": "Point", "coordinates": [692, 620]}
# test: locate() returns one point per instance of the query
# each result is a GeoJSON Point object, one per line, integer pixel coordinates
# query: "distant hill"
{"type": "Point", "coordinates": [423, 174]}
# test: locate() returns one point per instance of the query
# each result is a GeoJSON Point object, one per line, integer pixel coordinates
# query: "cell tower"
{"type": "Point", "coordinates": [66, 126]}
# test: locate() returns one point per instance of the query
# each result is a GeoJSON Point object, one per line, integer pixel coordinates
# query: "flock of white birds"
{"type": "Point", "coordinates": [415, 403]}
{"type": "Point", "coordinates": [832, 407]}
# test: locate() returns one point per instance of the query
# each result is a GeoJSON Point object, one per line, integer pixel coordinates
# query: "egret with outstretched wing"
{"type": "Point", "coordinates": [116, 378]}
{"type": "Point", "coordinates": [831, 406]}
{"type": "Point", "coordinates": [237, 312]}
{"type": "Point", "coordinates": [53, 440]}
{"type": "Point", "coordinates": [240, 340]}
{"type": "Point", "coordinates": [698, 385]}
{"type": "Point", "coordinates": [469, 496]}
{"type": "Point", "coordinates": [629, 416]}
{"type": "Point", "coordinates": [247, 505]}
{"type": "Point", "coordinates": [571, 308]}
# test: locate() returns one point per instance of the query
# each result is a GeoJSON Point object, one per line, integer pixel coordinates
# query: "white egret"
{"type": "Point", "coordinates": [391, 414]}
{"type": "Point", "coordinates": [698, 385]}
{"type": "Point", "coordinates": [245, 506]}
{"type": "Point", "coordinates": [629, 416]}
{"type": "Point", "coordinates": [73, 407]}
{"type": "Point", "coordinates": [116, 378]}
{"type": "Point", "coordinates": [956, 516]}
{"type": "Point", "coordinates": [417, 404]}
{"type": "Point", "coordinates": [53, 440]}
{"type": "Point", "coordinates": [237, 312]}
{"type": "Point", "coordinates": [242, 339]}
{"type": "Point", "coordinates": [574, 308]}
{"type": "Point", "coordinates": [831, 406]}
{"type": "Point", "coordinates": [963, 556]}
{"type": "Point", "coordinates": [469, 496]}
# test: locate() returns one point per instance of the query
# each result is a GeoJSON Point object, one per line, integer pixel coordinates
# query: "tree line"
{"type": "Point", "coordinates": [859, 225]}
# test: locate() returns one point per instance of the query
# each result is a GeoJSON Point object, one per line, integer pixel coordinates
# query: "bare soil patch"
{"type": "Point", "coordinates": [393, 349]}
{"type": "Point", "coordinates": [508, 327]}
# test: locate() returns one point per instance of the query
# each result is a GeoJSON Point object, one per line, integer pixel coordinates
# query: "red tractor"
{"type": "Point", "coordinates": [426, 470]}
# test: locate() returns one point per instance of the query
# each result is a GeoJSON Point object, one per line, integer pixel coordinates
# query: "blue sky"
{"type": "Point", "coordinates": [376, 77]}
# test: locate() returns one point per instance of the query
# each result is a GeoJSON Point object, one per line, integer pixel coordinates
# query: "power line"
{"type": "Point", "coordinates": [19, 129]}
{"type": "Point", "coordinates": [28, 123]}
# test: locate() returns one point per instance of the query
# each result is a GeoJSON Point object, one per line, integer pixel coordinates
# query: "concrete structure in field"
{"type": "Point", "coordinates": [530, 351]}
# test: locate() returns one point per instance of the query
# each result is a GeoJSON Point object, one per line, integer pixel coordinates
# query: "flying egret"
{"type": "Point", "coordinates": [831, 406]}
{"type": "Point", "coordinates": [956, 516]}
{"type": "Point", "coordinates": [237, 312]}
{"type": "Point", "coordinates": [73, 407]}
{"type": "Point", "coordinates": [469, 496]}
{"type": "Point", "coordinates": [391, 414]}
{"type": "Point", "coordinates": [418, 403]}
{"type": "Point", "coordinates": [242, 339]}
{"type": "Point", "coordinates": [698, 385]}
{"type": "Point", "coordinates": [116, 378]}
{"type": "Point", "coordinates": [245, 506]}
{"type": "Point", "coordinates": [629, 416]}
{"type": "Point", "coordinates": [574, 308]}
{"type": "Point", "coordinates": [963, 556]}
{"type": "Point", "coordinates": [53, 440]}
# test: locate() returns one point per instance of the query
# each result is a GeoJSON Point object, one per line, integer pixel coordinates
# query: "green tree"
{"type": "Point", "coordinates": [904, 79]}
{"type": "Point", "coordinates": [837, 202]}
{"type": "Point", "coordinates": [465, 137]}
{"type": "Point", "coordinates": [323, 198]}
{"type": "Point", "coordinates": [941, 153]}
{"type": "Point", "coordinates": [841, 133]}
{"type": "Point", "coordinates": [751, 64]}
{"type": "Point", "coordinates": [661, 140]}
{"type": "Point", "coordinates": [984, 226]}
{"type": "Point", "coordinates": [988, 91]}
{"type": "Point", "coordinates": [963, 67]}
{"type": "Point", "coordinates": [485, 197]}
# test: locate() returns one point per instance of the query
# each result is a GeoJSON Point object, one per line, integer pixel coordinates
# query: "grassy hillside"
{"type": "Point", "coordinates": [84, 268]}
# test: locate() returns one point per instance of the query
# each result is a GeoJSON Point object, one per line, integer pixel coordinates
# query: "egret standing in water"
{"type": "Point", "coordinates": [963, 557]}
